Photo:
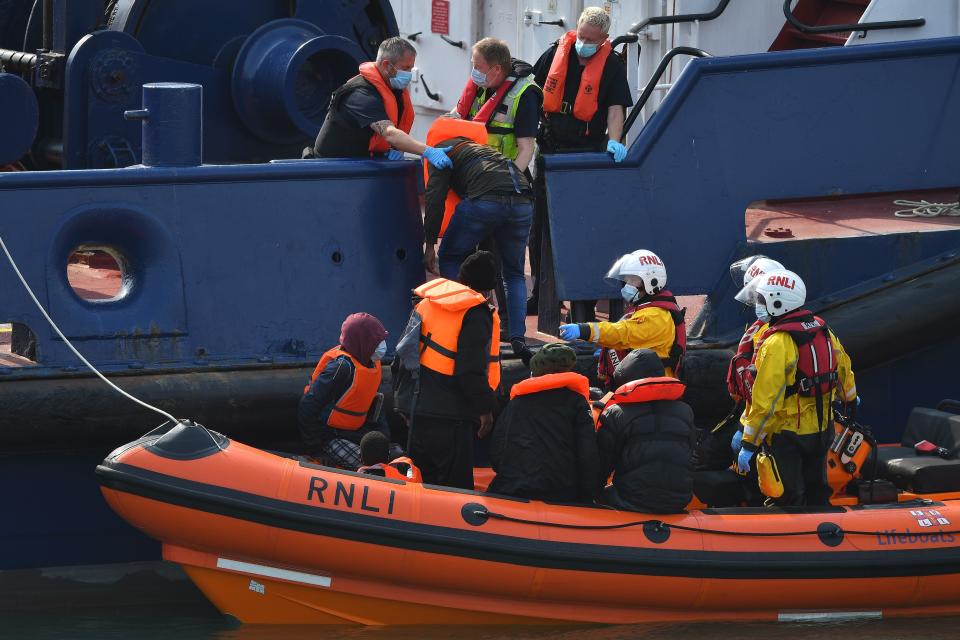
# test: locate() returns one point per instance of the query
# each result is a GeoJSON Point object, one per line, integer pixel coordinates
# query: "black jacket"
{"type": "Point", "coordinates": [466, 395]}
{"type": "Point", "coordinates": [315, 406]}
{"type": "Point", "coordinates": [648, 446]}
{"type": "Point", "coordinates": [544, 448]}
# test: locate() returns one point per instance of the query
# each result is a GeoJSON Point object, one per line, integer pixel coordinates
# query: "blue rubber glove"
{"type": "Point", "coordinates": [736, 440]}
{"type": "Point", "coordinates": [596, 354]}
{"type": "Point", "coordinates": [438, 157]}
{"type": "Point", "coordinates": [394, 154]}
{"type": "Point", "coordinates": [618, 150]}
{"type": "Point", "coordinates": [743, 461]}
{"type": "Point", "coordinates": [569, 331]}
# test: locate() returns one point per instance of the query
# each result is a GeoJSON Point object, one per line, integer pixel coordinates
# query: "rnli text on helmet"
{"type": "Point", "coordinates": [782, 281]}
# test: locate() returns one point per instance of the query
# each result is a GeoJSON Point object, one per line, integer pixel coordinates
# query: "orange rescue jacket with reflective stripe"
{"type": "Point", "coordinates": [569, 380]}
{"type": "Point", "coordinates": [350, 410]}
{"type": "Point", "coordinates": [585, 106]}
{"type": "Point", "coordinates": [377, 143]}
{"type": "Point", "coordinates": [444, 129]}
{"type": "Point", "coordinates": [444, 304]}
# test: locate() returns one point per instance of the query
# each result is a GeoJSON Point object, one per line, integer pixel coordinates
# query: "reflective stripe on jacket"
{"type": "Point", "coordinates": [444, 304]}
{"type": "Point", "coordinates": [349, 412]}
{"type": "Point", "coordinates": [647, 328]}
{"type": "Point", "coordinates": [500, 126]}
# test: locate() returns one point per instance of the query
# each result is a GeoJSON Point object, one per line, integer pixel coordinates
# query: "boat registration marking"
{"type": "Point", "coordinates": [274, 572]}
{"type": "Point", "coordinates": [828, 616]}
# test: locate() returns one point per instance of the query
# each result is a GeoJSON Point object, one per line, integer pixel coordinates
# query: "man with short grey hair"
{"type": "Point", "coordinates": [371, 115]}
{"type": "Point", "coordinates": [585, 95]}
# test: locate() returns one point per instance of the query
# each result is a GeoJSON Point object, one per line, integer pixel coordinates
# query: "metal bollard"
{"type": "Point", "coordinates": [172, 117]}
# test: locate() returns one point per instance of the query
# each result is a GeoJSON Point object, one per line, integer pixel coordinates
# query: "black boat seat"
{"type": "Point", "coordinates": [924, 473]}
{"type": "Point", "coordinates": [939, 427]}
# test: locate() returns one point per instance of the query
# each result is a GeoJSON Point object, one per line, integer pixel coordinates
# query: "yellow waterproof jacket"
{"type": "Point", "coordinates": [648, 328]}
{"type": "Point", "coordinates": [771, 411]}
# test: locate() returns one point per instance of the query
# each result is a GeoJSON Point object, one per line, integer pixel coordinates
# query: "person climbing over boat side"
{"type": "Point", "coordinates": [645, 437]}
{"type": "Point", "coordinates": [371, 115]}
{"type": "Point", "coordinates": [341, 403]}
{"type": "Point", "coordinates": [375, 450]}
{"type": "Point", "coordinates": [800, 366]}
{"type": "Point", "coordinates": [586, 94]}
{"type": "Point", "coordinates": [459, 371]}
{"type": "Point", "coordinates": [497, 202]}
{"type": "Point", "coordinates": [653, 321]}
{"type": "Point", "coordinates": [502, 94]}
{"type": "Point", "coordinates": [543, 445]}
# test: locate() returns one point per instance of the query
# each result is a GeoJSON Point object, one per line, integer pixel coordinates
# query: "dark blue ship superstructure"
{"type": "Point", "coordinates": [237, 273]}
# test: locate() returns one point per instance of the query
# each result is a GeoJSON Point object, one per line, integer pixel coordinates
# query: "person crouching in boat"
{"type": "Point", "coordinates": [544, 446]}
{"type": "Point", "coordinates": [341, 404]}
{"type": "Point", "coordinates": [375, 452]}
{"type": "Point", "coordinates": [459, 371]}
{"type": "Point", "coordinates": [645, 436]}
{"type": "Point", "coordinates": [653, 319]}
{"type": "Point", "coordinates": [800, 365]}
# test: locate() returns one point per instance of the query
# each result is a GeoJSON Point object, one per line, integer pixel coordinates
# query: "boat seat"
{"type": "Point", "coordinates": [923, 474]}
{"type": "Point", "coordinates": [939, 427]}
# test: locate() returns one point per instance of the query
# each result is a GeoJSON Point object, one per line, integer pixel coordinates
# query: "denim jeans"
{"type": "Point", "coordinates": [509, 225]}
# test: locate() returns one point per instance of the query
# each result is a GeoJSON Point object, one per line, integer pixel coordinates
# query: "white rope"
{"type": "Point", "coordinates": [72, 348]}
{"type": "Point", "coordinates": [924, 209]}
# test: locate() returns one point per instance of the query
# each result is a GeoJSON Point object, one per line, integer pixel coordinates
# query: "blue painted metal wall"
{"type": "Point", "coordinates": [736, 130]}
{"type": "Point", "coordinates": [225, 264]}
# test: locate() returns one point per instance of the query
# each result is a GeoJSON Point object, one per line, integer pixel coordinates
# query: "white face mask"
{"type": "Point", "coordinates": [629, 293]}
{"type": "Point", "coordinates": [761, 310]}
{"type": "Point", "coordinates": [380, 351]}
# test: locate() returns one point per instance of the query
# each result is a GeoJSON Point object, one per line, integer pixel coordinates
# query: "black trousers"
{"type": "Point", "coordinates": [802, 462]}
{"type": "Point", "coordinates": [443, 450]}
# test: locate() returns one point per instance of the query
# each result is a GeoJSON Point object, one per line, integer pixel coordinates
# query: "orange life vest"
{"type": "Point", "coordinates": [444, 129]}
{"type": "Point", "coordinates": [370, 73]}
{"type": "Point", "coordinates": [585, 106]}
{"type": "Point", "coordinates": [469, 94]}
{"type": "Point", "coordinates": [569, 380]}
{"type": "Point", "coordinates": [444, 304]}
{"type": "Point", "coordinates": [400, 469]}
{"type": "Point", "coordinates": [648, 390]}
{"type": "Point", "coordinates": [350, 410]}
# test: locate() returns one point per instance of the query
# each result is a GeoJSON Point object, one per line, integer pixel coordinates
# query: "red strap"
{"type": "Point", "coordinates": [486, 111]}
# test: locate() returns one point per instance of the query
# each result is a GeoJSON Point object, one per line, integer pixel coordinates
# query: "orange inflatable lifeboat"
{"type": "Point", "coordinates": [273, 539]}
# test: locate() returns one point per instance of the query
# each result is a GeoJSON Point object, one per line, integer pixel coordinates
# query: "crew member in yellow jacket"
{"type": "Point", "coordinates": [800, 368]}
{"type": "Point", "coordinates": [653, 319]}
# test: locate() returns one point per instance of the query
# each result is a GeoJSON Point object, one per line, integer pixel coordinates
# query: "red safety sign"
{"type": "Point", "coordinates": [440, 17]}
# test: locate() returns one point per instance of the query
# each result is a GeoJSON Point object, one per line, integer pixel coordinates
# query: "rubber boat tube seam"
{"type": "Point", "coordinates": [523, 551]}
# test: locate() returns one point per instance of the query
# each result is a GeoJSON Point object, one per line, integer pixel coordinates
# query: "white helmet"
{"type": "Point", "coordinates": [780, 291]}
{"type": "Point", "coordinates": [745, 271]}
{"type": "Point", "coordinates": [640, 268]}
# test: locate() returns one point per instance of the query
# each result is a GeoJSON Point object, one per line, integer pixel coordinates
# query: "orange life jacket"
{"type": "Point", "coordinates": [585, 106]}
{"type": "Point", "coordinates": [444, 304]}
{"type": "Point", "coordinates": [444, 129]}
{"type": "Point", "coordinates": [569, 380]}
{"type": "Point", "coordinates": [648, 390]}
{"type": "Point", "coordinates": [400, 469]}
{"type": "Point", "coordinates": [469, 94]}
{"type": "Point", "coordinates": [370, 73]}
{"type": "Point", "coordinates": [350, 410]}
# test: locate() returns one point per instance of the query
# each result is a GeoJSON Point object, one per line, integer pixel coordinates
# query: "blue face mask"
{"type": "Point", "coordinates": [585, 50]}
{"type": "Point", "coordinates": [401, 80]}
{"type": "Point", "coordinates": [380, 351]}
{"type": "Point", "coordinates": [761, 311]}
{"type": "Point", "coordinates": [479, 78]}
{"type": "Point", "coordinates": [629, 293]}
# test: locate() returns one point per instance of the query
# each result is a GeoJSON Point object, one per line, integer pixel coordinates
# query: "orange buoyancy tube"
{"type": "Point", "coordinates": [569, 380]}
{"type": "Point", "coordinates": [350, 410]}
{"type": "Point", "coordinates": [401, 468]}
{"type": "Point", "coordinates": [585, 106]}
{"type": "Point", "coordinates": [403, 122]}
{"type": "Point", "coordinates": [648, 390]}
{"type": "Point", "coordinates": [444, 304]}
{"type": "Point", "coordinates": [444, 129]}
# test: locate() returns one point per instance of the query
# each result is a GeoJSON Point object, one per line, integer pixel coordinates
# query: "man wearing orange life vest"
{"type": "Point", "coordinates": [645, 436]}
{"type": "Point", "coordinates": [585, 96]}
{"type": "Point", "coordinates": [654, 320]}
{"type": "Point", "coordinates": [375, 454]}
{"type": "Point", "coordinates": [543, 445]}
{"type": "Point", "coordinates": [459, 371]}
{"type": "Point", "coordinates": [800, 366]}
{"type": "Point", "coordinates": [371, 115]}
{"type": "Point", "coordinates": [335, 410]}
